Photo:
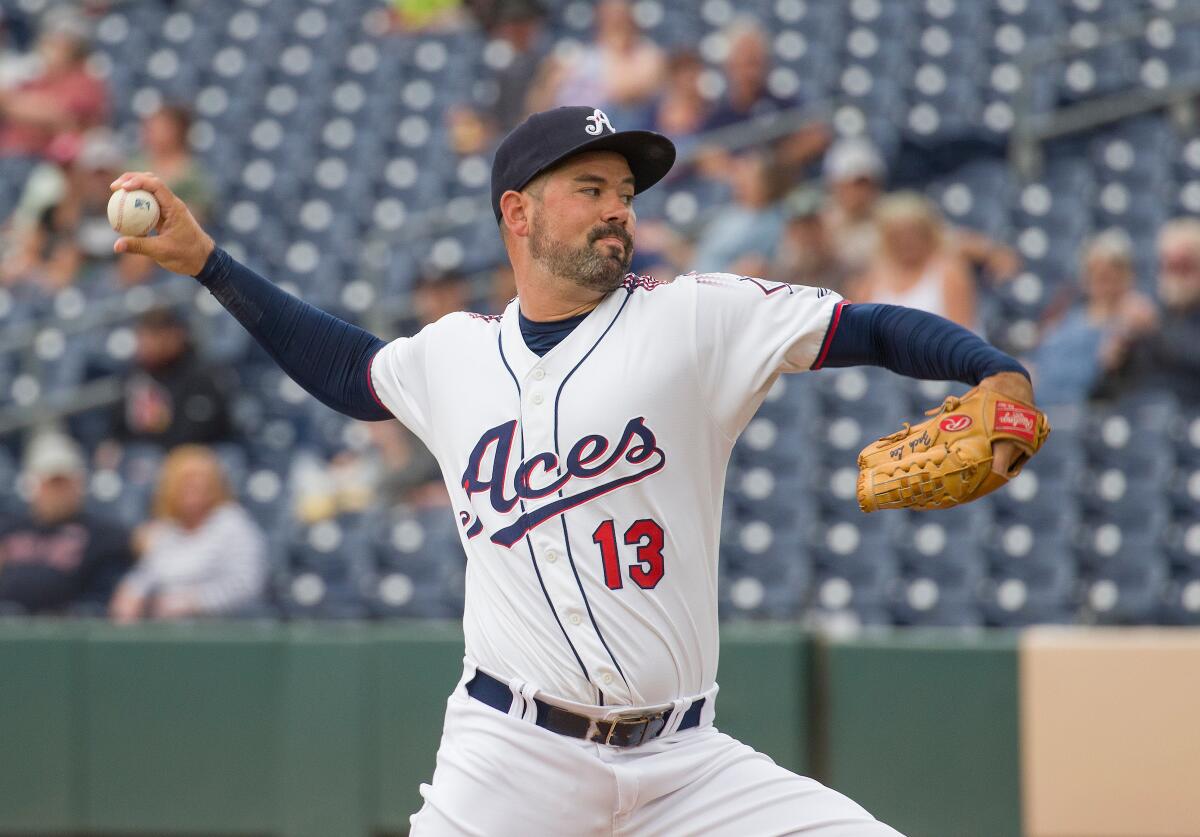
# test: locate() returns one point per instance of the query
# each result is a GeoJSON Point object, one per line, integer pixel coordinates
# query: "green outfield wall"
{"type": "Point", "coordinates": [328, 729]}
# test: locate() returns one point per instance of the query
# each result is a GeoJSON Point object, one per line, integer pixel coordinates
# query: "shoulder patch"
{"type": "Point", "coordinates": [646, 283]}
{"type": "Point", "coordinates": [487, 318]}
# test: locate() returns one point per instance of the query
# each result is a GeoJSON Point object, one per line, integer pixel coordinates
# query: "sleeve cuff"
{"type": "Point", "coordinates": [1008, 364]}
{"type": "Point", "coordinates": [216, 268]}
{"type": "Point", "coordinates": [834, 319]}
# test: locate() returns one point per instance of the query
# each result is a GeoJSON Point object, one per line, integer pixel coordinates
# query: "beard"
{"type": "Point", "coordinates": [1178, 291]}
{"type": "Point", "coordinates": [597, 269]}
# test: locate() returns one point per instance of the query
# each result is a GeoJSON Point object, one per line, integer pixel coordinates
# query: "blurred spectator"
{"type": "Point", "coordinates": [503, 289]}
{"type": "Point", "coordinates": [470, 130]}
{"type": "Point", "coordinates": [518, 31]}
{"type": "Point", "coordinates": [619, 71]}
{"type": "Point", "coordinates": [63, 100]}
{"type": "Point", "coordinates": [394, 467]}
{"type": "Point", "coordinates": [682, 111]}
{"type": "Point", "coordinates": [1163, 356]}
{"type": "Point", "coordinates": [171, 395]}
{"type": "Point", "coordinates": [854, 176]}
{"type": "Point", "coordinates": [57, 555]}
{"type": "Point", "coordinates": [806, 255]}
{"type": "Point", "coordinates": [440, 293]}
{"type": "Point", "coordinates": [748, 95]}
{"type": "Point", "coordinates": [743, 235]}
{"type": "Point", "coordinates": [403, 16]}
{"type": "Point", "coordinates": [201, 555]}
{"type": "Point", "coordinates": [166, 152]}
{"type": "Point", "coordinates": [913, 266]}
{"type": "Point", "coordinates": [61, 222]}
{"type": "Point", "coordinates": [1080, 347]}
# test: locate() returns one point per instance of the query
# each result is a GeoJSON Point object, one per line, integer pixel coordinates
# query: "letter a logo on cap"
{"type": "Point", "coordinates": [599, 121]}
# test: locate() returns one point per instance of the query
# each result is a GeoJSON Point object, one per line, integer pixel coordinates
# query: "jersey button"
{"type": "Point", "coordinates": [539, 373]}
{"type": "Point", "coordinates": [537, 398]}
{"type": "Point", "coordinates": [575, 618]}
{"type": "Point", "coordinates": [551, 556]}
{"type": "Point", "coordinates": [607, 678]}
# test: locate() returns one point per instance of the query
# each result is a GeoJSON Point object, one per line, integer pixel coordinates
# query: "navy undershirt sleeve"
{"type": "Point", "coordinates": [542, 337]}
{"type": "Point", "coordinates": [327, 356]}
{"type": "Point", "coordinates": [913, 343]}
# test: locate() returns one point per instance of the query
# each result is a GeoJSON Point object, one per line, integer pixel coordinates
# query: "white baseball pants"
{"type": "Point", "coordinates": [498, 775]}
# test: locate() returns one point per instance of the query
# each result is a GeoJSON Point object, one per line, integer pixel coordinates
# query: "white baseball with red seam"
{"type": "Point", "coordinates": [132, 213]}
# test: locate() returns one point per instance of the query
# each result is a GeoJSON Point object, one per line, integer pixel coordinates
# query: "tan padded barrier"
{"type": "Point", "coordinates": [1110, 732]}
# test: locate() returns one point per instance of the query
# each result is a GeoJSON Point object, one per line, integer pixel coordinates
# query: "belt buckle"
{"type": "Point", "coordinates": [644, 719]}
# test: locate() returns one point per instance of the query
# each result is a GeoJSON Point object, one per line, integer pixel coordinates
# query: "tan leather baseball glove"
{"type": "Point", "coordinates": [947, 459]}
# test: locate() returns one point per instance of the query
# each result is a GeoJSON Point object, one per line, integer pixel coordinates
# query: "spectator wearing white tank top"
{"type": "Point", "coordinates": [913, 266]}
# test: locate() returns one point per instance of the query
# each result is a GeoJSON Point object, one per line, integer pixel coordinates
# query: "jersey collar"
{"type": "Point", "coordinates": [564, 356]}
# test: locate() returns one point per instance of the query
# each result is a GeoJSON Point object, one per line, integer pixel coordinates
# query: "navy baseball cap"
{"type": "Point", "coordinates": [551, 136]}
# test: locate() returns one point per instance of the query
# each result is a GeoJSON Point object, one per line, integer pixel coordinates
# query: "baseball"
{"type": "Point", "coordinates": [132, 213]}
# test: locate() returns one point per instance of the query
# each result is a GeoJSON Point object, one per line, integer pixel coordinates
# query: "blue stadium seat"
{"type": "Point", "coordinates": [864, 574]}
{"type": "Point", "coordinates": [326, 572]}
{"type": "Point", "coordinates": [1181, 600]}
{"type": "Point", "coordinates": [1181, 540]}
{"type": "Point", "coordinates": [1126, 590]}
{"type": "Point", "coordinates": [1035, 589]}
{"type": "Point", "coordinates": [766, 586]}
{"type": "Point", "coordinates": [1185, 435]}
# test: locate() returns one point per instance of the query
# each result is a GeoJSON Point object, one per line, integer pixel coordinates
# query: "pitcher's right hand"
{"type": "Point", "coordinates": [180, 245]}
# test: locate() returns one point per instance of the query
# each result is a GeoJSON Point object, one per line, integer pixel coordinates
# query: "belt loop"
{"type": "Point", "coordinates": [679, 706]}
{"type": "Point", "coordinates": [517, 708]}
{"type": "Point", "coordinates": [527, 691]}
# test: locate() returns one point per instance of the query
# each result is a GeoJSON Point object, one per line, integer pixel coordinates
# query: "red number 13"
{"type": "Point", "coordinates": [648, 537]}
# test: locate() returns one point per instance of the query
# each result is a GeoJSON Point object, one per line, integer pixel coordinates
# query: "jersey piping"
{"type": "Point", "coordinates": [529, 544]}
{"type": "Point", "coordinates": [566, 535]}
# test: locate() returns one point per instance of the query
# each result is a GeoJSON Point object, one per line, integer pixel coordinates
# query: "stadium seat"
{"type": "Point", "coordinates": [1126, 590]}
{"type": "Point", "coordinates": [1039, 588]}
{"type": "Point", "coordinates": [325, 574]}
{"type": "Point", "coordinates": [1181, 600]}
{"type": "Point", "coordinates": [1181, 540]}
{"type": "Point", "coordinates": [764, 587]}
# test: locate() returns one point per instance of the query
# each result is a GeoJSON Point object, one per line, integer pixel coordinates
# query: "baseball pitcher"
{"type": "Point", "coordinates": [584, 436]}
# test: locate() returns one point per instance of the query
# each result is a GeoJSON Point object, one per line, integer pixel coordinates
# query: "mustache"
{"type": "Point", "coordinates": [613, 231]}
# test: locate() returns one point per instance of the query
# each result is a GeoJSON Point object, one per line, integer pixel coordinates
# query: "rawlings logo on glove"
{"type": "Point", "coordinates": [947, 460]}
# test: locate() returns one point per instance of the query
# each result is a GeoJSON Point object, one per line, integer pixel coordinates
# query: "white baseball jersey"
{"type": "Point", "coordinates": [589, 482]}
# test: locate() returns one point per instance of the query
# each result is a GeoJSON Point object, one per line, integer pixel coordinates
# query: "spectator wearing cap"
{"type": "Point", "coordinates": [201, 554]}
{"type": "Point", "coordinates": [914, 266]}
{"type": "Point", "coordinates": [854, 176]}
{"type": "Point", "coordinates": [806, 254]}
{"type": "Point", "coordinates": [60, 226]}
{"type": "Point", "coordinates": [64, 100]}
{"type": "Point", "coordinates": [1162, 356]}
{"type": "Point", "coordinates": [57, 556]}
{"type": "Point", "coordinates": [1085, 343]}
{"type": "Point", "coordinates": [171, 396]}
{"type": "Point", "coordinates": [619, 72]}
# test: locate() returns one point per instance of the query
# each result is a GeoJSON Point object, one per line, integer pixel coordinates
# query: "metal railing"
{"type": "Point", "coordinates": [1031, 129]}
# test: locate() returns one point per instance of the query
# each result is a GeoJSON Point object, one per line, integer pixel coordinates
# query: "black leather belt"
{"type": "Point", "coordinates": [620, 732]}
